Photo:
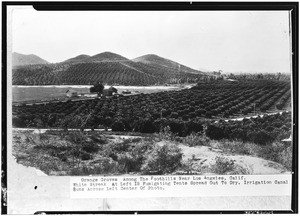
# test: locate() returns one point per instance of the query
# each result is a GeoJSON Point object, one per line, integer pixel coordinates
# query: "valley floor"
{"type": "Point", "coordinates": [47, 93]}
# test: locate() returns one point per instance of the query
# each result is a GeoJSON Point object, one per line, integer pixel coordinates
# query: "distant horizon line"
{"type": "Point", "coordinates": [90, 55]}
{"type": "Point", "coordinates": [199, 68]}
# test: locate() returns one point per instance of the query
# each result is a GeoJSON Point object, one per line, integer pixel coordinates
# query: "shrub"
{"type": "Point", "coordinates": [118, 125]}
{"type": "Point", "coordinates": [286, 157]}
{"type": "Point", "coordinates": [76, 137]}
{"type": "Point", "coordinates": [176, 126]}
{"type": "Point", "coordinates": [137, 156]}
{"type": "Point", "coordinates": [129, 154]}
{"type": "Point", "coordinates": [237, 147]}
{"type": "Point", "coordinates": [166, 134]}
{"type": "Point", "coordinates": [98, 139]}
{"type": "Point", "coordinates": [222, 165]}
{"type": "Point", "coordinates": [125, 162]}
{"type": "Point", "coordinates": [118, 147]}
{"type": "Point", "coordinates": [90, 147]}
{"type": "Point", "coordinates": [45, 163]}
{"type": "Point", "coordinates": [17, 121]}
{"type": "Point", "coordinates": [196, 139]}
{"type": "Point", "coordinates": [261, 137]}
{"type": "Point", "coordinates": [215, 132]}
{"type": "Point", "coordinates": [278, 152]}
{"type": "Point", "coordinates": [135, 140]}
{"type": "Point", "coordinates": [162, 159]}
{"type": "Point", "coordinates": [86, 156]}
{"type": "Point", "coordinates": [192, 126]}
{"type": "Point", "coordinates": [144, 125]}
{"type": "Point", "coordinates": [130, 161]}
{"type": "Point", "coordinates": [103, 165]}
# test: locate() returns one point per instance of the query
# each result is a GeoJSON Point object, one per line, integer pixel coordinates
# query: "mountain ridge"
{"type": "Point", "coordinates": [100, 57]}
{"type": "Point", "coordinates": [78, 58]}
{"type": "Point", "coordinates": [19, 59]}
{"type": "Point", "coordinates": [150, 59]}
{"type": "Point", "coordinates": [158, 60]}
{"type": "Point", "coordinates": [109, 68]}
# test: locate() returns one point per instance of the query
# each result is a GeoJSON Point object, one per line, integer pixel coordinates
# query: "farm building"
{"type": "Point", "coordinates": [91, 95]}
{"type": "Point", "coordinates": [71, 93]}
{"type": "Point", "coordinates": [126, 92]}
{"type": "Point", "coordinates": [110, 91]}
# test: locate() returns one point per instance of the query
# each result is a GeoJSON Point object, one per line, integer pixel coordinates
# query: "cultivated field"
{"type": "Point", "coordinates": [169, 132]}
{"type": "Point", "coordinates": [144, 112]}
{"type": "Point", "coordinates": [108, 68]}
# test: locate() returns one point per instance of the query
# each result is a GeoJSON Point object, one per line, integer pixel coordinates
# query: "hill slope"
{"type": "Point", "coordinates": [101, 57]}
{"type": "Point", "coordinates": [107, 56]}
{"type": "Point", "coordinates": [152, 59]}
{"type": "Point", "coordinates": [107, 67]}
{"type": "Point", "coordinates": [78, 58]}
{"type": "Point", "coordinates": [20, 59]}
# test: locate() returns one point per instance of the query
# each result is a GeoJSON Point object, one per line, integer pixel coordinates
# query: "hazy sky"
{"type": "Point", "coordinates": [214, 40]}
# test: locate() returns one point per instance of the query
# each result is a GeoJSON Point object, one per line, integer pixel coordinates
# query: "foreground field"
{"type": "Point", "coordinates": [95, 153]}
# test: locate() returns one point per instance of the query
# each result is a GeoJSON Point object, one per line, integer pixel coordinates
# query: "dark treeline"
{"type": "Point", "coordinates": [260, 76]}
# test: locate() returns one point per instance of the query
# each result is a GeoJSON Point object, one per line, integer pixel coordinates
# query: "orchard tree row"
{"type": "Point", "coordinates": [260, 130]}
{"type": "Point", "coordinates": [127, 113]}
{"type": "Point", "coordinates": [260, 76]}
{"type": "Point", "coordinates": [124, 73]}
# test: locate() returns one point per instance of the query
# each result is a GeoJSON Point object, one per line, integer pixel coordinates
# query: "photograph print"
{"type": "Point", "coordinates": [136, 93]}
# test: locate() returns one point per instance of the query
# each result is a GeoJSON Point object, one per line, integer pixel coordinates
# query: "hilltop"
{"type": "Point", "coordinates": [21, 59]}
{"type": "Point", "coordinates": [101, 57]}
{"type": "Point", "coordinates": [79, 58]}
{"type": "Point", "coordinates": [109, 68]}
{"type": "Point", "coordinates": [156, 60]}
{"type": "Point", "coordinates": [107, 56]}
